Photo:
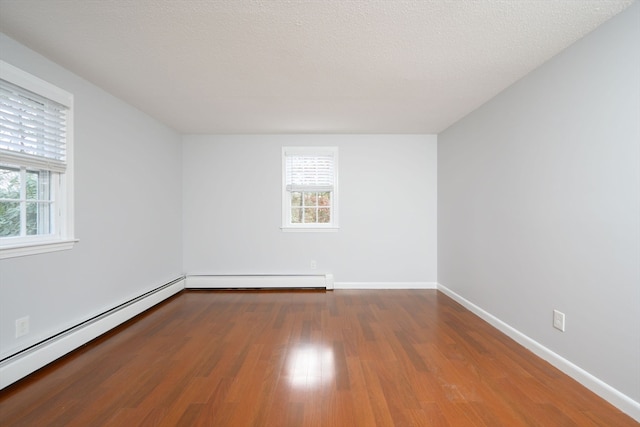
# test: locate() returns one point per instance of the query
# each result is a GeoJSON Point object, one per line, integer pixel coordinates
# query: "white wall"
{"type": "Point", "coordinates": [539, 204]}
{"type": "Point", "coordinates": [387, 185]}
{"type": "Point", "coordinates": [127, 211]}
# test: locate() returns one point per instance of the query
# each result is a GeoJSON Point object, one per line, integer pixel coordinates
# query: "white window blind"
{"type": "Point", "coordinates": [32, 129]}
{"type": "Point", "coordinates": [305, 172]}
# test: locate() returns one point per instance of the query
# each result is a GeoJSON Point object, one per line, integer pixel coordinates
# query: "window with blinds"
{"type": "Point", "coordinates": [32, 129]}
{"type": "Point", "coordinates": [310, 188]}
{"type": "Point", "coordinates": [35, 168]}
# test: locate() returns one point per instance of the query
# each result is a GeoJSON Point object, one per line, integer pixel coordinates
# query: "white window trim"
{"type": "Point", "coordinates": [287, 226]}
{"type": "Point", "coordinates": [64, 238]}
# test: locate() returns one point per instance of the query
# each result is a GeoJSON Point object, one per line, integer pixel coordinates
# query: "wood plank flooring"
{"type": "Point", "coordinates": [341, 358]}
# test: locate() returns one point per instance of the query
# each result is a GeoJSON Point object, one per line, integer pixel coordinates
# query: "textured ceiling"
{"type": "Point", "coordinates": [303, 66]}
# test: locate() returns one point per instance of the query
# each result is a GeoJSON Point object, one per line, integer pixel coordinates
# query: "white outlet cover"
{"type": "Point", "coordinates": [22, 326]}
{"type": "Point", "coordinates": [558, 320]}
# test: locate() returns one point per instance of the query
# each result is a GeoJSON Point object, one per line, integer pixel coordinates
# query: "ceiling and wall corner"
{"type": "Point", "coordinates": [299, 66]}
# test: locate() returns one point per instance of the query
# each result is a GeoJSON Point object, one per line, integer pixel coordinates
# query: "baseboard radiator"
{"type": "Point", "coordinates": [24, 362]}
{"type": "Point", "coordinates": [260, 281]}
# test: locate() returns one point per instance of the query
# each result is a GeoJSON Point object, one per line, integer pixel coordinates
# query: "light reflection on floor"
{"type": "Point", "coordinates": [310, 366]}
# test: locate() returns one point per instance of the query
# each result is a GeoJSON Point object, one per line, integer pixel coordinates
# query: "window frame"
{"type": "Point", "coordinates": [61, 197]}
{"type": "Point", "coordinates": [287, 225]}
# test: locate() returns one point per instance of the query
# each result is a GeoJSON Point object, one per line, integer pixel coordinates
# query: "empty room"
{"type": "Point", "coordinates": [320, 213]}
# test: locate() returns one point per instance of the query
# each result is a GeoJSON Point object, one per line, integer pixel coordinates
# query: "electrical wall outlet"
{"type": "Point", "coordinates": [558, 320]}
{"type": "Point", "coordinates": [314, 264]}
{"type": "Point", "coordinates": [22, 326]}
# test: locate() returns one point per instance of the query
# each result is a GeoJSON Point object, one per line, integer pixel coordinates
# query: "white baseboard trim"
{"type": "Point", "coordinates": [386, 285]}
{"type": "Point", "coordinates": [599, 387]}
{"type": "Point", "coordinates": [22, 364]}
{"type": "Point", "coordinates": [324, 281]}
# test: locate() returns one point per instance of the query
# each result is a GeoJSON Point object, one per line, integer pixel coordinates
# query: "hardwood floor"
{"type": "Point", "coordinates": [341, 358]}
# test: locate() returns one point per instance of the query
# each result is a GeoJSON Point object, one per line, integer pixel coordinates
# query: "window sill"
{"type": "Point", "coordinates": [24, 249]}
{"type": "Point", "coordinates": [310, 229]}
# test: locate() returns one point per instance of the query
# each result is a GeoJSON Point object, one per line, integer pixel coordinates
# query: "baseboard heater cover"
{"type": "Point", "coordinates": [260, 281]}
{"type": "Point", "coordinates": [23, 363]}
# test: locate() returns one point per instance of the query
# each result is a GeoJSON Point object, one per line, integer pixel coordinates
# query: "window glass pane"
{"type": "Point", "coordinates": [32, 218]}
{"type": "Point", "coordinates": [9, 183]}
{"type": "Point", "coordinates": [32, 186]}
{"type": "Point", "coordinates": [38, 187]}
{"type": "Point", "coordinates": [296, 215]}
{"type": "Point", "coordinates": [310, 215]}
{"type": "Point", "coordinates": [310, 199]}
{"type": "Point", "coordinates": [324, 199]}
{"type": "Point", "coordinates": [296, 198]}
{"type": "Point", "coordinates": [9, 219]}
{"type": "Point", "coordinates": [324, 215]}
{"type": "Point", "coordinates": [44, 185]}
{"type": "Point", "coordinates": [38, 218]}
{"type": "Point", "coordinates": [45, 215]}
